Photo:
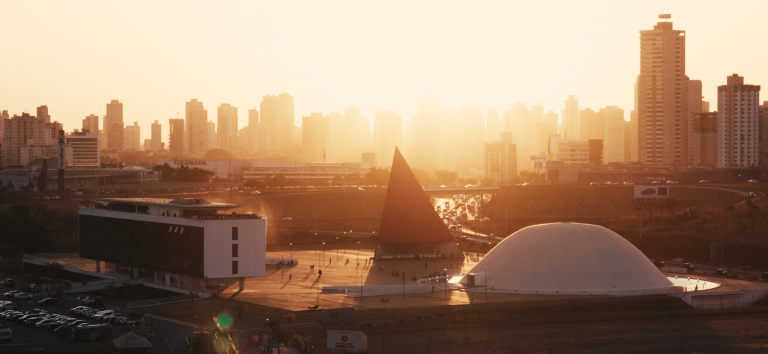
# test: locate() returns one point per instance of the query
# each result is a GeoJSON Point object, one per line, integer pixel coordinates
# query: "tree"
{"type": "Point", "coordinates": [53, 269]}
{"type": "Point", "coordinates": [278, 335]}
{"type": "Point", "coordinates": [42, 179]}
{"type": "Point", "coordinates": [446, 177]}
{"type": "Point", "coordinates": [378, 176]}
{"type": "Point", "coordinates": [218, 154]}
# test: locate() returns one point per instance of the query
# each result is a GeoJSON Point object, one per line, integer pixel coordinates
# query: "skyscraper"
{"type": "Point", "coordinates": [132, 137]}
{"type": "Point", "coordinates": [113, 126]}
{"type": "Point", "coordinates": [738, 124]}
{"type": "Point", "coordinates": [212, 138]}
{"type": "Point", "coordinates": [313, 137]}
{"type": "Point", "coordinates": [196, 130]}
{"type": "Point", "coordinates": [156, 144]}
{"type": "Point", "coordinates": [387, 134]}
{"type": "Point", "coordinates": [277, 112]}
{"type": "Point", "coordinates": [492, 125]}
{"type": "Point", "coordinates": [662, 93]}
{"type": "Point", "coordinates": [42, 113]}
{"type": "Point", "coordinates": [570, 118]}
{"type": "Point", "coordinates": [226, 115]}
{"type": "Point", "coordinates": [694, 107]}
{"type": "Point", "coordinates": [91, 124]}
{"type": "Point", "coordinates": [176, 137]}
{"type": "Point", "coordinates": [552, 120]}
{"type": "Point", "coordinates": [3, 117]}
{"type": "Point", "coordinates": [613, 137]}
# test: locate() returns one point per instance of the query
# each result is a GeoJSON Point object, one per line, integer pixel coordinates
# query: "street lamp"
{"type": "Point", "coordinates": [323, 252]}
{"type": "Point", "coordinates": [358, 253]}
{"type": "Point", "coordinates": [485, 269]}
{"type": "Point", "coordinates": [337, 248]}
{"type": "Point", "coordinates": [446, 282]}
{"type": "Point", "coordinates": [282, 269]}
{"type": "Point", "coordinates": [403, 285]}
{"type": "Point", "coordinates": [361, 288]}
{"type": "Point", "coordinates": [291, 252]}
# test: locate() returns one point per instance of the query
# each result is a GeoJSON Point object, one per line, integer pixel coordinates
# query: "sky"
{"type": "Point", "coordinates": [76, 56]}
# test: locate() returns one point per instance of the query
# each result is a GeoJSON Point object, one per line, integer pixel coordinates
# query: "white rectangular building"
{"type": "Point", "coordinates": [738, 124]}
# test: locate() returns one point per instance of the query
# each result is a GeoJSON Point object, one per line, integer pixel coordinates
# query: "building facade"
{"type": "Point", "coordinates": [113, 126]}
{"type": "Point", "coordinates": [196, 129]}
{"type": "Point", "coordinates": [613, 138]}
{"type": "Point", "coordinates": [176, 136]}
{"type": "Point", "coordinates": [662, 93]}
{"type": "Point", "coordinates": [387, 134]}
{"type": "Point", "coordinates": [703, 140]}
{"type": "Point", "coordinates": [156, 142]}
{"type": "Point", "coordinates": [738, 123]}
{"type": "Point", "coordinates": [91, 124]}
{"type": "Point", "coordinates": [183, 240]}
{"type": "Point", "coordinates": [500, 159]}
{"type": "Point", "coordinates": [26, 131]}
{"type": "Point", "coordinates": [226, 116]}
{"type": "Point", "coordinates": [277, 112]}
{"type": "Point", "coordinates": [570, 119]}
{"type": "Point", "coordinates": [84, 147]}
{"type": "Point", "coordinates": [132, 137]}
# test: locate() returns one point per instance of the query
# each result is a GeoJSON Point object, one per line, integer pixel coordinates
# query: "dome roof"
{"type": "Point", "coordinates": [569, 258]}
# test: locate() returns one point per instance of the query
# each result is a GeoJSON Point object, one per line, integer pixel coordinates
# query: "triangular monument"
{"type": "Point", "coordinates": [409, 224]}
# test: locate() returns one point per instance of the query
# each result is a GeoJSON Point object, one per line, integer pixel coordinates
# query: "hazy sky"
{"type": "Point", "coordinates": [75, 56]}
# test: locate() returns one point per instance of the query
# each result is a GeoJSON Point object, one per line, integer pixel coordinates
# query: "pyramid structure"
{"type": "Point", "coordinates": [409, 223]}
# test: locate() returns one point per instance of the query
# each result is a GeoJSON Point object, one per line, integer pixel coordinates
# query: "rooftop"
{"type": "Point", "coordinates": [186, 203]}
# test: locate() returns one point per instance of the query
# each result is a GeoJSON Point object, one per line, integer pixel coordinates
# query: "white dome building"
{"type": "Point", "coordinates": [568, 258]}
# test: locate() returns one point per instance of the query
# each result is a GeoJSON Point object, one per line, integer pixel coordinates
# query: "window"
{"type": "Point", "coordinates": [234, 250]}
{"type": "Point", "coordinates": [234, 267]}
{"type": "Point", "coordinates": [234, 233]}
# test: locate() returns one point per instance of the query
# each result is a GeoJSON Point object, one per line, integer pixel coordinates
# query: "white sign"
{"type": "Point", "coordinates": [538, 157]}
{"type": "Point", "coordinates": [644, 192]}
{"type": "Point", "coordinates": [347, 340]}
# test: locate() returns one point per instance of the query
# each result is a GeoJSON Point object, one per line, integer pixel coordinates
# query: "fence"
{"type": "Point", "coordinates": [201, 291]}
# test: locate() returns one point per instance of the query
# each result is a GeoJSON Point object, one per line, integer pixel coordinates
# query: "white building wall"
{"type": "Point", "coordinates": [613, 143]}
{"type": "Point", "coordinates": [252, 248]}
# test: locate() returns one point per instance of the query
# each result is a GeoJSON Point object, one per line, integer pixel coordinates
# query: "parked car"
{"type": "Point", "coordinates": [5, 334]}
{"type": "Point", "coordinates": [22, 296]}
{"type": "Point", "coordinates": [753, 181]}
{"type": "Point", "coordinates": [721, 272]}
{"type": "Point", "coordinates": [688, 266]}
{"type": "Point", "coordinates": [628, 183]}
{"type": "Point", "coordinates": [91, 332]}
{"type": "Point", "coordinates": [11, 293]}
{"type": "Point", "coordinates": [703, 181]}
{"type": "Point", "coordinates": [257, 192]}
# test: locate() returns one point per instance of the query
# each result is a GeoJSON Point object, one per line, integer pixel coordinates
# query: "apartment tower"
{"type": "Point", "coordinates": [738, 123]}
{"type": "Point", "coordinates": [662, 94]}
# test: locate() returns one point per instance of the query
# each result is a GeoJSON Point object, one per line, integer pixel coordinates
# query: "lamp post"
{"type": "Point", "coordinates": [337, 248]}
{"type": "Point", "coordinates": [323, 252]}
{"type": "Point", "coordinates": [446, 282]}
{"type": "Point", "coordinates": [361, 288]}
{"type": "Point", "coordinates": [291, 252]}
{"type": "Point", "coordinates": [282, 269]}
{"type": "Point", "coordinates": [403, 285]}
{"type": "Point", "coordinates": [485, 269]}
{"type": "Point", "coordinates": [358, 252]}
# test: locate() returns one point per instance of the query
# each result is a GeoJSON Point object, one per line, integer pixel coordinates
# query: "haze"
{"type": "Point", "coordinates": [154, 56]}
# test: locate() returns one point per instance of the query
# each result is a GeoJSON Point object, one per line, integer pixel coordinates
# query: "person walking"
{"type": "Point", "coordinates": [290, 275]}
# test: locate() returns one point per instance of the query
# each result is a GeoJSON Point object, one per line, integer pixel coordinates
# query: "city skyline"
{"type": "Point", "coordinates": [477, 72]}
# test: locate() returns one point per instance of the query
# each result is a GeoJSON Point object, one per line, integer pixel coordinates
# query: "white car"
{"type": "Point", "coordinates": [102, 314]}
{"type": "Point", "coordinates": [255, 192]}
{"type": "Point", "coordinates": [287, 218]}
{"type": "Point", "coordinates": [22, 296]}
{"type": "Point", "coordinates": [678, 259]}
{"type": "Point", "coordinates": [628, 183]}
{"type": "Point", "coordinates": [753, 181]}
{"type": "Point", "coordinates": [671, 182]}
{"type": "Point", "coordinates": [80, 309]}
{"type": "Point", "coordinates": [44, 323]}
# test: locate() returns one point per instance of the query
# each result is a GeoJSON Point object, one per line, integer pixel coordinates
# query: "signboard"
{"type": "Point", "coordinates": [714, 251]}
{"type": "Point", "coordinates": [61, 152]}
{"type": "Point", "coordinates": [538, 157]}
{"type": "Point", "coordinates": [649, 192]}
{"type": "Point", "coordinates": [665, 16]}
{"type": "Point", "coordinates": [537, 165]}
{"type": "Point", "coordinates": [347, 340]}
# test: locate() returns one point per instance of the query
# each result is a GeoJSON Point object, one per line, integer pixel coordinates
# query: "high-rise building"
{"type": "Point", "coordinates": [553, 121]}
{"type": "Point", "coordinates": [633, 125]}
{"type": "Point", "coordinates": [369, 158]}
{"type": "Point", "coordinates": [82, 149]}
{"type": "Point", "coordinates": [570, 118]}
{"type": "Point", "coordinates": [257, 133]}
{"type": "Point", "coordinates": [500, 163]}
{"type": "Point", "coordinates": [694, 107]}
{"type": "Point", "coordinates": [492, 125]}
{"type": "Point", "coordinates": [387, 134]}
{"type": "Point", "coordinates": [91, 124]}
{"type": "Point", "coordinates": [538, 112]}
{"type": "Point", "coordinates": [147, 146]}
{"type": "Point", "coordinates": [429, 138]}
{"type": "Point", "coordinates": [42, 113]}
{"type": "Point", "coordinates": [613, 137]}
{"type": "Point", "coordinates": [132, 137]}
{"type": "Point", "coordinates": [738, 123]}
{"type": "Point", "coordinates": [277, 112]}
{"type": "Point", "coordinates": [763, 132]}
{"type": "Point", "coordinates": [196, 129]}
{"type": "Point", "coordinates": [212, 136]}
{"type": "Point", "coordinates": [591, 124]}
{"type": "Point", "coordinates": [156, 143]}
{"type": "Point", "coordinates": [113, 126]}
{"type": "Point", "coordinates": [627, 140]}
{"type": "Point", "coordinates": [176, 137]}
{"type": "Point", "coordinates": [662, 93]}
{"type": "Point", "coordinates": [28, 132]}
{"type": "Point", "coordinates": [3, 117]}
{"type": "Point", "coordinates": [313, 137]}
{"type": "Point", "coordinates": [704, 140]}
{"type": "Point", "coordinates": [226, 115]}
